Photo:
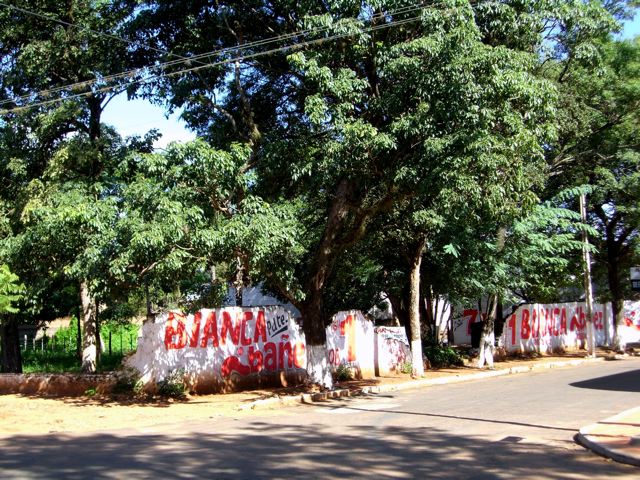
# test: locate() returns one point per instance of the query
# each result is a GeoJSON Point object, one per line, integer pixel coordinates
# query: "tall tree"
{"type": "Point", "coordinates": [57, 59]}
{"type": "Point", "coordinates": [599, 145]}
{"type": "Point", "coordinates": [389, 99]}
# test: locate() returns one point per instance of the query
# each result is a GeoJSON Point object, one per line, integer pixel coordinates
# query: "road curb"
{"type": "Point", "coordinates": [587, 437]}
{"type": "Point", "coordinates": [428, 382]}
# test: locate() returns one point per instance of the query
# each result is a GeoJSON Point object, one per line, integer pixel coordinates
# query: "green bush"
{"type": "Point", "coordinates": [442, 356]}
{"type": "Point", "coordinates": [406, 367]}
{"type": "Point", "coordinates": [343, 373]}
{"type": "Point", "coordinates": [128, 381]}
{"type": "Point", "coordinates": [173, 384]}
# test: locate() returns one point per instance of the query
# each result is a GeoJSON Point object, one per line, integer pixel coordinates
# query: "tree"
{"type": "Point", "coordinates": [599, 146]}
{"type": "Point", "coordinates": [344, 130]}
{"type": "Point", "coordinates": [58, 68]}
{"type": "Point", "coordinates": [9, 290]}
{"type": "Point", "coordinates": [10, 293]}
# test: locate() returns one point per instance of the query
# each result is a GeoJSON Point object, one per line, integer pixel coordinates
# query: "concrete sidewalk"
{"type": "Point", "coordinates": [616, 437]}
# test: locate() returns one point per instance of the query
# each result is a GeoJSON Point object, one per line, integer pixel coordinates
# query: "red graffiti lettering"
{"type": "Point", "coordinates": [171, 331]}
{"type": "Point", "coordinates": [348, 330]}
{"type": "Point", "coordinates": [255, 360]}
{"type": "Point", "coordinates": [270, 357]}
{"type": "Point", "coordinates": [233, 364]}
{"type": "Point", "coordinates": [195, 330]}
{"type": "Point", "coordinates": [229, 326]}
{"type": "Point", "coordinates": [243, 337]}
{"type": "Point", "coordinates": [563, 321]}
{"type": "Point", "coordinates": [261, 328]}
{"type": "Point", "coordinates": [210, 331]}
{"type": "Point", "coordinates": [525, 333]}
{"type": "Point", "coordinates": [575, 323]}
{"type": "Point", "coordinates": [285, 348]}
{"type": "Point", "coordinates": [554, 320]}
{"type": "Point", "coordinates": [512, 325]}
{"type": "Point", "coordinates": [299, 355]}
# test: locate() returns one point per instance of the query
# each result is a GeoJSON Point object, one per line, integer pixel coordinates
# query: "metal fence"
{"type": "Point", "coordinates": [111, 343]}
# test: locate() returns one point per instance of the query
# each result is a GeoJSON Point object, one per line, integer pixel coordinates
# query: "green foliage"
{"type": "Point", "coordinates": [10, 290]}
{"type": "Point", "coordinates": [173, 384]}
{"type": "Point", "coordinates": [441, 356]}
{"type": "Point", "coordinates": [37, 361]}
{"type": "Point", "coordinates": [128, 382]}
{"type": "Point", "coordinates": [319, 171]}
{"type": "Point", "coordinates": [343, 373]}
{"type": "Point", "coordinates": [91, 392]}
{"type": "Point", "coordinates": [406, 368]}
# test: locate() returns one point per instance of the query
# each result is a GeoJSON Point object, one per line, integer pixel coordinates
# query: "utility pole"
{"type": "Point", "coordinates": [588, 290]}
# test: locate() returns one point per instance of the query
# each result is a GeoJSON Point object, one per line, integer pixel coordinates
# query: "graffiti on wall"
{"type": "Point", "coordinates": [548, 327]}
{"type": "Point", "coordinates": [542, 327]}
{"type": "Point", "coordinates": [350, 342]}
{"type": "Point", "coordinates": [393, 350]}
{"type": "Point", "coordinates": [256, 343]}
{"type": "Point", "coordinates": [630, 329]}
{"type": "Point", "coordinates": [216, 344]}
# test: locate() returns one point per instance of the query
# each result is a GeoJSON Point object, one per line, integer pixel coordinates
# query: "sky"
{"type": "Point", "coordinates": [136, 117]}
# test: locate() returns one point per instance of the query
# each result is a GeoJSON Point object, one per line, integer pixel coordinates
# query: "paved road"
{"type": "Point", "coordinates": [513, 427]}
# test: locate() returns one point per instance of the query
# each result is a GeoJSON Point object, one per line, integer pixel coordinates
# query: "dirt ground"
{"type": "Point", "coordinates": [28, 414]}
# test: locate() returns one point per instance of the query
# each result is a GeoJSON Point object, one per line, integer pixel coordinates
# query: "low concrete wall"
{"type": "Point", "coordinates": [392, 350]}
{"type": "Point", "coordinates": [350, 342]}
{"type": "Point", "coordinates": [222, 350]}
{"type": "Point", "coordinates": [62, 384]}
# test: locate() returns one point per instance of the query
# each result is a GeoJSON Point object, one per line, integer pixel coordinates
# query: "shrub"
{"type": "Point", "coordinates": [442, 356]}
{"type": "Point", "coordinates": [128, 381]}
{"type": "Point", "coordinates": [343, 373]}
{"type": "Point", "coordinates": [173, 384]}
{"type": "Point", "coordinates": [406, 367]}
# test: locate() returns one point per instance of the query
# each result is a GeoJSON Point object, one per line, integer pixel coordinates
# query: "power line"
{"type": "Point", "coordinates": [87, 29]}
{"type": "Point", "coordinates": [213, 64]}
{"type": "Point", "coordinates": [234, 49]}
{"type": "Point", "coordinates": [235, 58]}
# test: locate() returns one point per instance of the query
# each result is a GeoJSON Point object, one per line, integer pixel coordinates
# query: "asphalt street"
{"type": "Point", "coordinates": [516, 426]}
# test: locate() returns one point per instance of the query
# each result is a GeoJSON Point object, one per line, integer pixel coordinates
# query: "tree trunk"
{"type": "Point", "coordinates": [318, 368]}
{"type": "Point", "coordinates": [487, 341]}
{"type": "Point", "coordinates": [617, 293]}
{"type": "Point", "coordinates": [99, 342]}
{"type": "Point", "coordinates": [239, 281]}
{"type": "Point", "coordinates": [414, 310]}
{"type": "Point", "coordinates": [88, 316]}
{"type": "Point", "coordinates": [429, 313]}
{"type": "Point", "coordinates": [314, 316]}
{"type": "Point", "coordinates": [79, 334]}
{"type": "Point", "coordinates": [10, 338]}
{"type": "Point", "coordinates": [588, 287]}
{"type": "Point", "coordinates": [399, 307]}
{"type": "Point", "coordinates": [147, 296]}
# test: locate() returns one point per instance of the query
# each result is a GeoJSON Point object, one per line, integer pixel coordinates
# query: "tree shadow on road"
{"type": "Point", "coordinates": [272, 450]}
{"type": "Point", "coordinates": [620, 382]}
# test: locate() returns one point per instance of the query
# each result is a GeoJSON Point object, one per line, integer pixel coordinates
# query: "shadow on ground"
{"type": "Point", "coordinates": [272, 450]}
{"type": "Point", "coordinates": [620, 382]}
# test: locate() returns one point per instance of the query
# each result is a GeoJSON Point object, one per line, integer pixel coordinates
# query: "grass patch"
{"type": "Point", "coordinates": [36, 361]}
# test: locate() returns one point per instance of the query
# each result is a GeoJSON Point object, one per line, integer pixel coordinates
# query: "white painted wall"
{"type": "Point", "coordinates": [392, 349]}
{"type": "Point", "coordinates": [350, 341]}
{"type": "Point", "coordinates": [545, 327]}
{"type": "Point", "coordinates": [214, 346]}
